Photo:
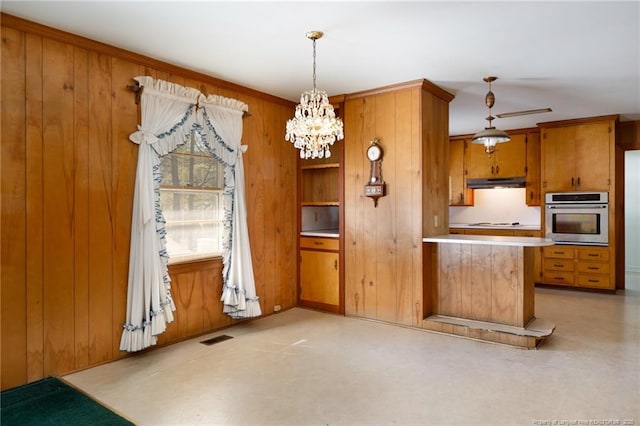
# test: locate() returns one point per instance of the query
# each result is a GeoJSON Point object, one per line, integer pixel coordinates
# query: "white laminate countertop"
{"type": "Point", "coordinates": [323, 233]}
{"type": "Point", "coordinates": [489, 240]}
{"type": "Point", "coordinates": [494, 226]}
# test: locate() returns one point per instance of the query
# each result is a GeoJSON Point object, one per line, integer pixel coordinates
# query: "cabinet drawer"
{"type": "Point", "coordinates": [559, 252]}
{"type": "Point", "coordinates": [593, 267]}
{"type": "Point", "coordinates": [558, 277]}
{"type": "Point", "coordinates": [595, 254]}
{"type": "Point", "coordinates": [320, 243]}
{"type": "Point", "coordinates": [525, 233]}
{"type": "Point", "coordinates": [597, 281]}
{"type": "Point", "coordinates": [558, 264]}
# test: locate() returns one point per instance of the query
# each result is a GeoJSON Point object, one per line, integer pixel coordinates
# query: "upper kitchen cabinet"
{"type": "Point", "coordinates": [578, 155]}
{"type": "Point", "coordinates": [533, 192]}
{"type": "Point", "coordinates": [509, 160]}
{"type": "Point", "coordinates": [459, 194]}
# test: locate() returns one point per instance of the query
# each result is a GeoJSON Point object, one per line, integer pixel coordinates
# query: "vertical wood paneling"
{"type": "Point", "coordinates": [479, 277]}
{"type": "Point", "coordinates": [270, 151]}
{"type": "Point", "coordinates": [367, 225]}
{"type": "Point", "coordinates": [34, 200]}
{"type": "Point", "coordinates": [386, 256]}
{"type": "Point", "coordinates": [505, 271]}
{"type": "Point", "coordinates": [58, 184]}
{"type": "Point", "coordinates": [288, 264]}
{"type": "Point", "coordinates": [13, 224]}
{"type": "Point", "coordinates": [81, 229]}
{"type": "Point", "coordinates": [100, 208]}
{"type": "Point", "coordinates": [353, 179]}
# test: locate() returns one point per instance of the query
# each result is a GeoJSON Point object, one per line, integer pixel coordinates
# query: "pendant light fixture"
{"type": "Point", "coordinates": [315, 127]}
{"type": "Point", "coordinates": [490, 136]}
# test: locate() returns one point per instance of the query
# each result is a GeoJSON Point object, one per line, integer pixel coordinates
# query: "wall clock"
{"type": "Point", "coordinates": [376, 187]}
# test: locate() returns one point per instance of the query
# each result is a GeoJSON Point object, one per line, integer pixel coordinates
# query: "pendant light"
{"type": "Point", "coordinates": [490, 136]}
{"type": "Point", "coordinates": [315, 127]}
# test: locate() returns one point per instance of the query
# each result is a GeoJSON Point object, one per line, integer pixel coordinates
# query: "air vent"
{"type": "Point", "coordinates": [216, 339]}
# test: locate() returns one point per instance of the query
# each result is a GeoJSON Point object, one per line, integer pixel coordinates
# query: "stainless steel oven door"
{"type": "Point", "coordinates": [586, 224]}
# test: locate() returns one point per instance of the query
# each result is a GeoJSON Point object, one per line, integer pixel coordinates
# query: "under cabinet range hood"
{"type": "Point", "coordinates": [485, 183]}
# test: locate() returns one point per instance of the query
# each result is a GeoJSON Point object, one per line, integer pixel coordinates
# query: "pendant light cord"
{"type": "Point", "coordinates": [314, 64]}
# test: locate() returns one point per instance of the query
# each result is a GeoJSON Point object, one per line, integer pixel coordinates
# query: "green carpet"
{"type": "Point", "coordinates": [52, 402]}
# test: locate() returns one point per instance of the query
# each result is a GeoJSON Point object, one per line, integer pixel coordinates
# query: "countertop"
{"type": "Point", "coordinates": [324, 233]}
{"type": "Point", "coordinates": [494, 226]}
{"type": "Point", "coordinates": [490, 240]}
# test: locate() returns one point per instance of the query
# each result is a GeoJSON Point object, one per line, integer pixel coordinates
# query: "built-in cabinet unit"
{"type": "Point", "coordinates": [320, 283]}
{"type": "Point", "coordinates": [459, 194]}
{"type": "Point", "coordinates": [320, 273]}
{"type": "Point", "coordinates": [519, 157]}
{"type": "Point", "coordinates": [509, 160]}
{"type": "Point", "coordinates": [579, 266]}
{"type": "Point", "coordinates": [576, 156]}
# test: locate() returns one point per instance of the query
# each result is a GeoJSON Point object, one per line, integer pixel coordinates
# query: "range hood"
{"type": "Point", "coordinates": [519, 182]}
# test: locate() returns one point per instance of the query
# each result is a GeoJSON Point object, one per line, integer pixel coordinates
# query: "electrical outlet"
{"type": "Point", "coordinates": [277, 308]}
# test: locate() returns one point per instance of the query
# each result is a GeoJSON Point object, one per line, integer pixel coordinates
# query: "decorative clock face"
{"type": "Point", "coordinates": [374, 153]}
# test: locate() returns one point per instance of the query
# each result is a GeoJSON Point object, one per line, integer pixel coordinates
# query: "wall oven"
{"type": "Point", "coordinates": [577, 218]}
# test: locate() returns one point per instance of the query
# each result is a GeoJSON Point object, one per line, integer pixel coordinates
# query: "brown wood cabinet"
{"type": "Point", "coordinates": [578, 157]}
{"type": "Point", "coordinates": [580, 266]}
{"type": "Point", "coordinates": [459, 194]}
{"type": "Point", "coordinates": [533, 189]}
{"type": "Point", "coordinates": [320, 273]}
{"type": "Point", "coordinates": [509, 160]}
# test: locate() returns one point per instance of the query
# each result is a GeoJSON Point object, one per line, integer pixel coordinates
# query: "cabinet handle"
{"type": "Point", "coordinates": [559, 278]}
{"type": "Point", "coordinates": [497, 169]}
{"type": "Point", "coordinates": [557, 266]}
{"type": "Point", "coordinates": [531, 195]}
{"type": "Point", "coordinates": [558, 252]}
{"type": "Point", "coordinates": [593, 268]}
{"type": "Point", "coordinates": [572, 181]}
{"type": "Point", "coordinates": [592, 254]}
{"type": "Point", "coordinates": [491, 169]}
{"type": "Point", "coordinates": [594, 281]}
{"type": "Point", "coordinates": [578, 180]}
{"type": "Point", "coordinates": [335, 264]}
{"type": "Point", "coordinates": [318, 243]}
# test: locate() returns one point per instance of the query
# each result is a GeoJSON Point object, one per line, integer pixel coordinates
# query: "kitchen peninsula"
{"type": "Point", "coordinates": [482, 287]}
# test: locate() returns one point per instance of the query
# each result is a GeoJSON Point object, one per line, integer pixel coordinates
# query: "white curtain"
{"type": "Point", "coordinates": [168, 119]}
{"type": "Point", "coordinates": [222, 133]}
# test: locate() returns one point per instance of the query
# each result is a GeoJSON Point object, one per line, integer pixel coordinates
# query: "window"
{"type": "Point", "coordinates": [191, 198]}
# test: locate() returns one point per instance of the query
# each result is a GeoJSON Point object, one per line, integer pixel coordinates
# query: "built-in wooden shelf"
{"type": "Point", "coordinates": [321, 166]}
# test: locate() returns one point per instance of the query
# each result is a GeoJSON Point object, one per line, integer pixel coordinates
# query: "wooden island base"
{"type": "Point", "coordinates": [528, 337]}
{"type": "Point", "coordinates": [481, 287]}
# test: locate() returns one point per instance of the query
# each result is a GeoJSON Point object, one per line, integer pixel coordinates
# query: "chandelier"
{"type": "Point", "coordinates": [490, 136]}
{"type": "Point", "coordinates": [315, 127]}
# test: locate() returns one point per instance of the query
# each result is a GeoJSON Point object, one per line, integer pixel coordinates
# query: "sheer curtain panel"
{"type": "Point", "coordinates": [167, 120]}
{"type": "Point", "coordinates": [222, 133]}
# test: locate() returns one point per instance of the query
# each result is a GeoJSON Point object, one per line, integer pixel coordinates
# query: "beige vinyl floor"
{"type": "Point", "coordinates": [302, 367]}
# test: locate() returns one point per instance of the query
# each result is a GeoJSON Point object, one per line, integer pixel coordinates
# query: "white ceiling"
{"type": "Point", "coordinates": [581, 58]}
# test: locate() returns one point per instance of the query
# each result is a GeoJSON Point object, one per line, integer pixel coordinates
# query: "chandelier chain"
{"type": "Point", "coordinates": [314, 64]}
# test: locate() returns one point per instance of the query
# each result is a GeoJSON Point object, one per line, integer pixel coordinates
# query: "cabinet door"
{"type": "Point", "coordinates": [459, 195]}
{"type": "Point", "coordinates": [319, 277]}
{"type": "Point", "coordinates": [511, 157]}
{"type": "Point", "coordinates": [558, 159]}
{"type": "Point", "coordinates": [533, 197]}
{"type": "Point", "coordinates": [592, 142]}
{"type": "Point", "coordinates": [479, 164]}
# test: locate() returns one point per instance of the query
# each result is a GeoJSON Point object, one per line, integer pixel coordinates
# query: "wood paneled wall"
{"type": "Point", "coordinates": [67, 176]}
{"type": "Point", "coordinates": [383, 245]}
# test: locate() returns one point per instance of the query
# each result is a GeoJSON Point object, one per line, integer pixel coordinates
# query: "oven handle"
{"type": "Point", "coordinates": [580, 207]}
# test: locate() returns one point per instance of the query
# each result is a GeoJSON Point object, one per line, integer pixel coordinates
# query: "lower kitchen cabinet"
{"type": "Point", "coordinates": [320, 273]}
{"type": "Point", "coordinates": [577, 266]}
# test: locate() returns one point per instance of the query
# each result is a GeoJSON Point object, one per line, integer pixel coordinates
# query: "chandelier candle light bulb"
{"type": "Point", "coordinates": [315, 126]}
